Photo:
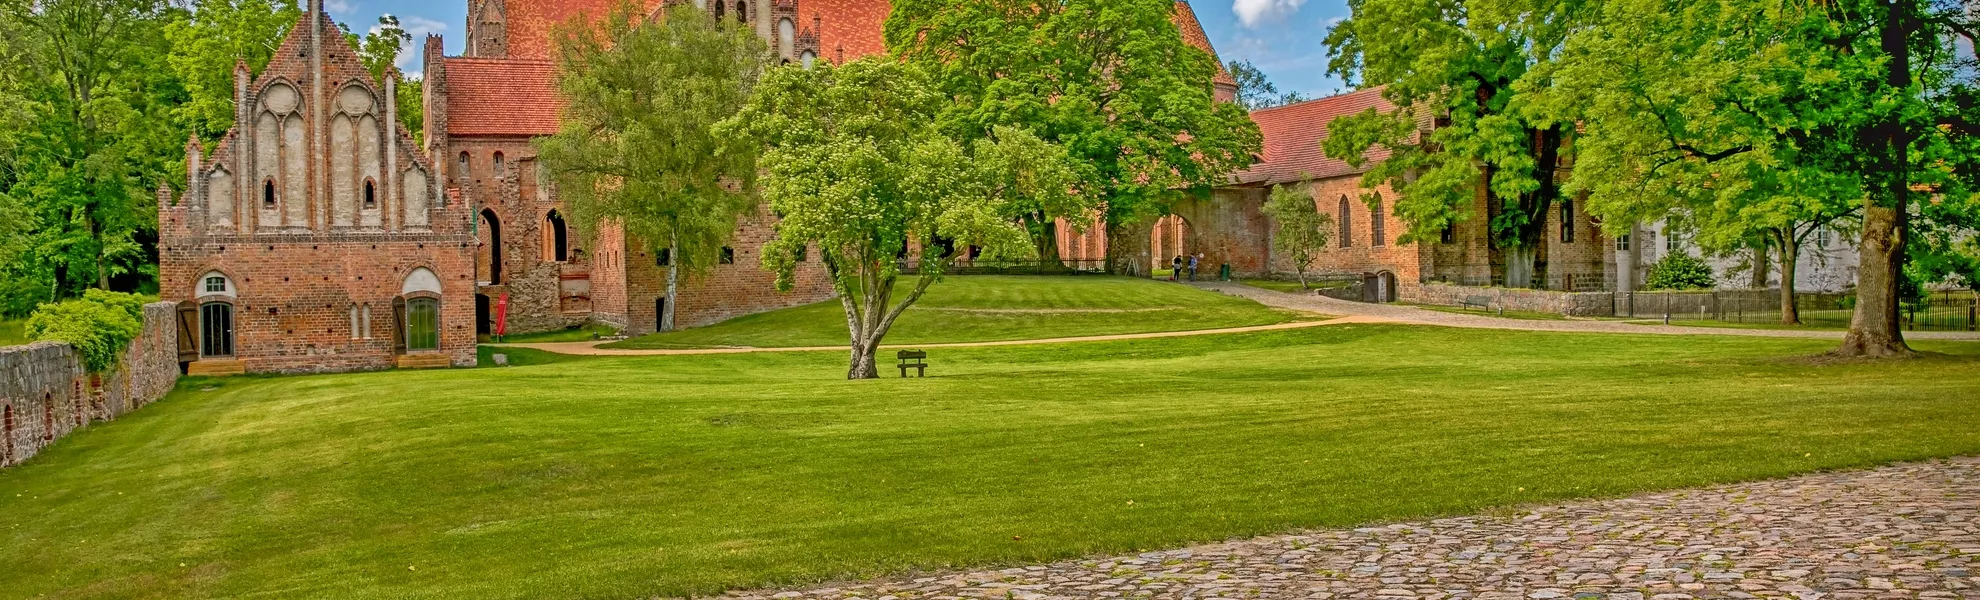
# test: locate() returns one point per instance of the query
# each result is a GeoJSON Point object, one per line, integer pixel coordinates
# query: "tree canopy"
{"type": "Point", "coordinates": [1111, 81]}
{"type": "Point", "coordinates": [857, 165]}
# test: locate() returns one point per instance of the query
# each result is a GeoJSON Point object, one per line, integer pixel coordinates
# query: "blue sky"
{"type": "Point", "coordinates": [1281, 37]}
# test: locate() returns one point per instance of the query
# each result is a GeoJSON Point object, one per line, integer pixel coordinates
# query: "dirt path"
{"type": "Point", "coordinates": [592, 348]}
{"type": "Point", "coordinates": [1411, 314]}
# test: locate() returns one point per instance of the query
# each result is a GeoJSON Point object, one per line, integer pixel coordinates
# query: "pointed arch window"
{"type": "Point", "coordinates": [1378, 222]}
{"type": "Point", "coordinates": [1347, 224]}
{"type": "Point", "coordinates": [462, 166]}
{"type": "Point", "coordinates": [555, 237]}
{"type": "Point", "coordinates": [718, 8]}
{"type": "Point", "coordinates": [498, 164]}
{"type": "Point", "coordinates": [742, 12]}
{"type": "Point", "coordinates": [1567, 221]}
{"type": "Point", "coordinates": [370, 194]}
{"type": "Point", "coordinates": [268, 193]}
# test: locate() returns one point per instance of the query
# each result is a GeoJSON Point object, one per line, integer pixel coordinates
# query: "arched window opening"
{"type": "Point", "coordinates": [488, 258]}
{"type": "Point", "coordinates": [364, 319]}
{"type": "Point", "coordinates": [268, 193]}
{"type": "Point", "coordinates": [728, 255]}
{"type": "Point", "coordinates": [498, 164]}
{"type": "Point", "coordinates": [807, 59]}
{"type": "Point", "coordinates": [742, 12]}
{"type": "Point", "coordinates": [555, 240]}
{"type": "Point", "coordinates": [786, 33]}
{"type": "Point", "coordinates": [356, 329]}
{"type": "Point", "coordinates": [216, 329]}
{"type": "Point", "coordinates": [1347, 225]}
{"type": "Point", "coordinates": [718, 8]}
{"type": "Point", "coordinates": [461, 166]}
{"type": "Point", "coordinates": [422, 324]}
{"type": "Point", "coordinates": [1567, 221]}
{"type": "Point", "coordinates": [370, 194]}
{"type": "Point", "coordinates": [1378, 223]}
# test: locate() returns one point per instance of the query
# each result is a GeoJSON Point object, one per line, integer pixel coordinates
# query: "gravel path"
{"type": "Point", "coordinates": [1411, 314]}
{"type": "Point", "coordinates": [1902, 531]}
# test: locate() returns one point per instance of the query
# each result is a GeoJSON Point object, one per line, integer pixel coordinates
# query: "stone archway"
{"type": "Point", "coordinates": [1168, 239]}
{"type": "Point", "coordinates": [488, 257]}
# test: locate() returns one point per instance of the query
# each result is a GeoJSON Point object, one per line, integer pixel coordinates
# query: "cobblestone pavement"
{"type": "Point", "coordinates": [1411, 314]}
{"type": "Point", "coordinates": [1902, 531]}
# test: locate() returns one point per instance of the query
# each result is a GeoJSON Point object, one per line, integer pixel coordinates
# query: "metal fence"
{"type": "Point", "coordinates": [1943, 310]}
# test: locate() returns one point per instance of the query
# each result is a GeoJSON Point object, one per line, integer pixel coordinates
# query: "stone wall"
{"type": "Point", "coordinates": [45, 393]}
{"type": "Point", "coordinates": [1575, 304]}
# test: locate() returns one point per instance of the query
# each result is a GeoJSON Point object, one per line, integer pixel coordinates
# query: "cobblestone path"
{"type": "Point", "coordinates": [1411, 314]}
{"type": "Point", "coordinates": [1902, 531]}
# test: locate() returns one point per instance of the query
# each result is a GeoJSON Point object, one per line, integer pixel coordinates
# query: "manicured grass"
{"type": "Point", "coordinates": [641, 476]}
{"type": "Point", "coordinates": [979, 308]}
{"type": "Point", "coordinates": [13, 331]}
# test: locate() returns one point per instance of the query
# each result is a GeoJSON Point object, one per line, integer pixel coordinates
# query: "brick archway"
{"type": "Point", "coordinates": [488, 258]}
{"type": "Point", "coordinates": [1170, 238]}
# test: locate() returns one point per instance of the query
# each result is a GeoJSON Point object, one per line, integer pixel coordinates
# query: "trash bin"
{"type": "Point", "coordinates": [1224, 272]}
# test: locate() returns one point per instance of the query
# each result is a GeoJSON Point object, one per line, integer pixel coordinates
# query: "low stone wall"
{"type": "Point", "coordinates": [45, 393]}
{"type": "Point", "coordinates": [1574, 304]}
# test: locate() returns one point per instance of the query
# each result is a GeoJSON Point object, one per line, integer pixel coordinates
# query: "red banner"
{"type": "Point", "coordinates": [502, 314]}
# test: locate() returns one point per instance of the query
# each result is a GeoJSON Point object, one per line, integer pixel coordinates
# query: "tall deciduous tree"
{"type": "Point", "coordinates": [1255, 90]}
{"type": "Point", "coordinates": [857, 166]}
{"type": "Point", "coordinates": [87, 90]}
{"type": "Point", "coordinates": [1301, 232]}
{"type": "Point", "coordinates": [1111, 81]}
{"type": "Point", "coordinates": [637, 150]}
{"type": "Point", "coordinates": [1723, 111]}
{"type": "Point", "coordinates": [208, 40]}
{"type": "Point", "coordinates": [1459, 61]}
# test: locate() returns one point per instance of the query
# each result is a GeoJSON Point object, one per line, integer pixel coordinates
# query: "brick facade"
{"type": "Point", "coordinates": [317, 219]}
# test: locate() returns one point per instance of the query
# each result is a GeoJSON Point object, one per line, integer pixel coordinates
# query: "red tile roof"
{"type": "Point", "coordinates": [847, 29]}
{"type": "Point", "coordinates": [501, 96]}
{"type": "Point", "coordinates": [1294, 132]}
{"type": "Point", "coordinates": [1192, 32]}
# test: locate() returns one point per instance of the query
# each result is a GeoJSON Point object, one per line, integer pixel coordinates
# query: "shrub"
{"type": "Point", "coordinates": [1680, 271]}
{"type": "Point", "coordinates": [99, 325]}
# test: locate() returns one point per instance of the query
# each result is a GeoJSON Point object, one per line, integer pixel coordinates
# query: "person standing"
{"type": "Point", "coordinates": [1193, 258]}
{"type": "Point", "coordinates": [1175, 268]}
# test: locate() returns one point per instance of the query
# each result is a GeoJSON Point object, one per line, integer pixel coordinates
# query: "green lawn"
{"type": "Point", "coordinates": [13, 332]}
{"type": "Point", "coordinates": [978, 308]}
{"type": "Point", "coordinates": [575, 334]}
{"type": "Point", "coordinates": [639, 476]}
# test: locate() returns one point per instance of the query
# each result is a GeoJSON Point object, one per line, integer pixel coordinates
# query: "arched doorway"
{"type": "Point", "coordinates": [488, 258]}
{"type": "Point", "coordinates": [1169, 240]}
{"type": "Point", "coordinates": [1385, 287]}
{"type": "Point", "coordinates": [483, 320]}
{"type": "Point", "coordinates": [556, 246]}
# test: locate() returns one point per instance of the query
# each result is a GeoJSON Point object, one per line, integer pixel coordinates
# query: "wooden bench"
{"type": "Point", "coordinates": [914, 359]}
{"type": "Point", "coordinates": [1481, 302]}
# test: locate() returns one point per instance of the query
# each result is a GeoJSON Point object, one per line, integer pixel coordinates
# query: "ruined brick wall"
{"type": "Point", "coordinates": [45, 393]}
{"type": "Point", "coordinates": [728, 291]}
{"type": "Point", "coordinates": [545, 294]}
{"type": "Point", "coordinates": [1230, 227]}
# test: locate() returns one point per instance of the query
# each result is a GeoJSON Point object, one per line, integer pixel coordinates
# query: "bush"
{"type": "Point", "coordinates": [1680, 271]}
{"type": "Point", "coordinates": [99, 325]}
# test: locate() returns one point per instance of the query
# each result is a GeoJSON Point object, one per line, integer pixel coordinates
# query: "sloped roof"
{"type": "Point", "coordinates": [501, 96]}
{"type": "Point", "coordinates": [1293, 134]}
{"type": "Point", "coordinates": [1192, 32]}
{"type": "Point", "coordinates": [847, 29]}
{"type": "Point", "coordinates": [529, 22]}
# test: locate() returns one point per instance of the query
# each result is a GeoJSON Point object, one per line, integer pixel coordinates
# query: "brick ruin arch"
{"type": "Point", "coordinates": [1168, 239]}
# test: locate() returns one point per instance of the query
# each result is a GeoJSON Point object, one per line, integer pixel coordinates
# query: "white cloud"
{"type": "Point", "coordinates": [1253, 13]}
{"type": "Point", "coordinates": [342, 7]}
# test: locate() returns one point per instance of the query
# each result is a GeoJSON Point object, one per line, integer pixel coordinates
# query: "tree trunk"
{"type": "Point", "coordinates": [1790, 314]}
{"type": "Point", "coordinates": [673, 284]}
{"type": "Point", "coordinates": [864, 363]}
{"type": "Point", "coordinates": [1873, 328]}
{"type": "Point", "coordinates": [1302, 278]}
{"type": "Point", "coordinates": [1760, 267]}
{"type": "Point", "coordinates": [1519, 266]}
{"type": "Point", "coordinates": [1047, 241]}
{"type": "Point", "coordinates": [1127, 246]}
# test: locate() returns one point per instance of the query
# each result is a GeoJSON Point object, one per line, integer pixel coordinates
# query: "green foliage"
{"type": "Point", "coordinates": [856, 166]}
{"type": "Point", "coordinates": [1255, 90]}
{"type": "Point", "coordinates": [99, 325]}
{"type": "Point", "coordinates": [207, 41]}
{"type": "Point", "coordinates": [1680, 271]}
{"type": "Point", "coordinates": [1111, 81]}
{"type": "Point", "coordinates": [82, 150]}
{"type": "Point", "coordinates": [636, 148]}
{"type": "Point", "coordinates": [1302, 230]}
{"type": "Point", "coordinates": [1464, 63]}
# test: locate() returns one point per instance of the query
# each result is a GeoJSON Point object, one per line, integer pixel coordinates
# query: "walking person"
{"type": "Point", "coordinates": [1175, 268]}
{"type": "Point", "coordinates": [1193, 258]}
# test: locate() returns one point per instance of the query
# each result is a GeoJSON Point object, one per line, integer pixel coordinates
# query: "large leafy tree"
{"type": "Point", "coordinates": [379, 50]}
{"type": "Point", "coordinates": [857, 166]}
{"type": "Point", "coordinates": [1111, 81]}
{"type": "Point", "coordinates": [636, 149]}
{"type": "Point", "coordinates": [1462, 62]}
{"type": "Point", "coordinates": [1255, 90]}
{"type": "Point", "coordinates": [85, 89]}
{"type": "Point", "coordinates": [1722, 111]}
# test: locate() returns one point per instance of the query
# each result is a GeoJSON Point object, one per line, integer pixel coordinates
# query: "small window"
{"type": "Point", "coordinates": [1567, 221]}
{"type": "Point", "coordinates": [268, 193]}
{"type": "Point", "coordinates": [462, 166]}
{"type": "Point", "coordinates": [370, 194]}
{"type": "Point", "coordinates": [556, 237]}
{"type": "Point", "coordinates": [718, 8]}
{"type": "Point", "coordinates": [1673, 241]}
{"type": "Point", "coordinates": [742, 12]}
{"type": "Point", "coordinates": [216, 285]}
{"type": "Point", "coordinates": [1822, 237]}
{"type": "Point", "coordinates": [1622, 242]}
{"type": "Point", "coordinates": [498, 165]}
{"type": "Point", "coordinates": [728, 255]}
{"type": "Point", "coordinates": [663, 257]}
{"type": "Point", "coordinates": [1378, 223]}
